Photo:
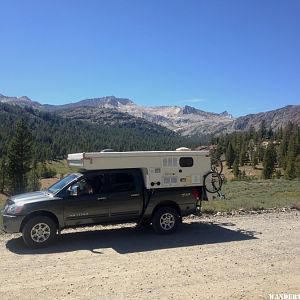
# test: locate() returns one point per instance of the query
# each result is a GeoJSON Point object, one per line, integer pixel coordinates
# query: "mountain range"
{"type": "Point", "coordinates": [186, 120]}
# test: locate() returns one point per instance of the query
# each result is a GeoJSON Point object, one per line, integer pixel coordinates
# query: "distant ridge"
{"type": "Point", "coordinates": [20, 101]}
{"type": "Point", "coordinates": [273, 119]}
{"type": "Point", "coordinates": [186, 120]}
{"type": "Point", "coordinates": [108, 101]}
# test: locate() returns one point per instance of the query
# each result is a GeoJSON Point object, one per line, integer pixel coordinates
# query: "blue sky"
{"type": "Point", "coordinates": [240, 56]}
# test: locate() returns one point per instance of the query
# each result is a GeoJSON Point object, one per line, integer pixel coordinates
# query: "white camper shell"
{"type": "Point", "coordinates": [161, 169]}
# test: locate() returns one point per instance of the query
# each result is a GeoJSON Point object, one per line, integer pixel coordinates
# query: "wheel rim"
{"type": "Point", "coordinates": [40, 232]}
{"type": "Point", "coordinates": [167, 221]}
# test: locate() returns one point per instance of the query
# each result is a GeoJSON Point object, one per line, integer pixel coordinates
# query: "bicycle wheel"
{"type": "Point", "coordinates": [213, 182]}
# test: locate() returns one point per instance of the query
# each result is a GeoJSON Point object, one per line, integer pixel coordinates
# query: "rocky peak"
{"type": "Point", "coordinates": [226, 114]}
{"type": "Point", "coordinates": [114, 101]}
{"type": "Point", "coordinates": [189, 110]}
{"type": "Point", "coordinates": [25, 99]}
{"type": "Point", "coordinates": [104, 102]}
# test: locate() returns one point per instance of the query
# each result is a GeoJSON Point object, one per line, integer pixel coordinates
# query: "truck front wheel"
{"type": "Point", "coordinates": [39, 232]}
{"type": "Point", "coordinates": [165, 220]}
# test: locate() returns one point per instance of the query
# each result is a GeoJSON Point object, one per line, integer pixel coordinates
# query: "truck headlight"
{"type": "Point", "coordinates": [14, 209]}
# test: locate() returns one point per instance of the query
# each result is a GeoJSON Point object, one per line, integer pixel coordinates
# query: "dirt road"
{"type": "Point", "coordinates": [242, 257]}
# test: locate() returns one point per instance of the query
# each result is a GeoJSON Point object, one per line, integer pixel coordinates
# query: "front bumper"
{"type": "Point", "coordinates": [12, 224]}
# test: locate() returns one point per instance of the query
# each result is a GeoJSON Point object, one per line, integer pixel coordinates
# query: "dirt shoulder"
{"type": "Point", "coordinates": [221, 257]}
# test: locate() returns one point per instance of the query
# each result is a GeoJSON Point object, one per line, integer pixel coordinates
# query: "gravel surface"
{"type": "Point", "coordinates": [221, 257]}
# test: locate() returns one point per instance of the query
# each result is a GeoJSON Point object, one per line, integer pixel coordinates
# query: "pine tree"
{"type": "Point", "coordinates": [270, 133]}
{"type": "Point", "coordinates": [243, 154]}
{"type": "Point", "coordinates": [261, 153]}
{"type": "Point", "coordinates": [230, 157]}
{"type": "Point", "coordinates": [19, 158]}
{"type": "Point", "coordinates": [297, 166]}
{"type": "Point", "coordinates": [290, 171]}
{"type": "Point", "coordinates": [34, 178]}
{"type": "Point", "coordinates": [252, 132]}
{"type": "Point", "coordinates": [236, 171]}
{"type": "Point", "coordinates": [262, 129]}
{"type": "Point", "coordinates": [254, 160]}
{"type": "Point", "coordinates": [2, 174]}
{"type": "Point", "coordinates": [269, 161]}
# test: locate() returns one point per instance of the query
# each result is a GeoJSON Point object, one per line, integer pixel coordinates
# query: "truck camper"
{"type": "Point", "coordinates": [156, 188]}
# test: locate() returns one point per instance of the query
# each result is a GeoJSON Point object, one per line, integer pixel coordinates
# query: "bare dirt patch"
{"type": "Point", "coordinates": [47, 182]}
{"type": "Point", "coordinates": [237, 257]}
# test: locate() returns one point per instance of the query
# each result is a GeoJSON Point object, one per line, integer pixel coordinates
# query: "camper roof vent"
{"type": "Point", "coordinates": [107, 150]}
{"type": "Point", "coordinates": [183, 149]}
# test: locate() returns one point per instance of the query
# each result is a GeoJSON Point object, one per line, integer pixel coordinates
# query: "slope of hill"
{"type": "Point", "coordinates": [20, 101]}
{"type": "Point", "coordinates": [103, 102]}
{"type": "Point", "coordinates": [55, 136]}
{"type": "Point", "coordinates": [273, 119]}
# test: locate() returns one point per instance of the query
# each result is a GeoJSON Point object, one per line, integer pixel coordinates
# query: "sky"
{"type": "Point", "coordinates": [239, 56]}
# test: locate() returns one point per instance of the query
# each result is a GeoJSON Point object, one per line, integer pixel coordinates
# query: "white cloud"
{"type": "Point", "coordinates": [193, 100]}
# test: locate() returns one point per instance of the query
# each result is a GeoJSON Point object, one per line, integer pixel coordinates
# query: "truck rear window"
{"type": "Point", "coordinates": [121, 182]}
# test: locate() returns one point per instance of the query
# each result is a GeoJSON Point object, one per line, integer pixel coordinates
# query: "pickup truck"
{"type": "Point", "coordinates": [97, 197]}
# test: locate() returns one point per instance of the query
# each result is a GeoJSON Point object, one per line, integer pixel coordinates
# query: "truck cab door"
{"type": "Point", "coordinates": [86, 202]}
{"type": "Point", "coordinates": [125, 195]}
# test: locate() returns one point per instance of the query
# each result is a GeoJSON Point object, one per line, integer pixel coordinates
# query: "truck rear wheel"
{"type": "Point", "coordinates": [39, 232]}
{"type": "Point", "coordinates": [165, 220]}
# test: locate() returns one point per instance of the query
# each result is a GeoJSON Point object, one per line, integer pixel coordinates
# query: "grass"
{"type": "Point", "coordinates": [61, 167]}
{"type": "Point", "coordinates": [256, 195]}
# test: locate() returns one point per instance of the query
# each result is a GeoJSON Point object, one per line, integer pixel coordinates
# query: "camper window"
{"type": "Point", "coordinates": [186, 162]}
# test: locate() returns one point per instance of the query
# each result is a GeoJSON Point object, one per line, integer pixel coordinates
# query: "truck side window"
{"type": "Point", "coordinates": [121, 182]}
{"type": "Point", "coordinates": [82, 187]}
{"type": "Point", "coordinates": [186, 162]}
{"type": "Point", "coordinates": [98, 182]}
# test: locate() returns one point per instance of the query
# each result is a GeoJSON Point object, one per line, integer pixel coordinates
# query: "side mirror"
{"type": "Point", "coordinates": [73, 190]}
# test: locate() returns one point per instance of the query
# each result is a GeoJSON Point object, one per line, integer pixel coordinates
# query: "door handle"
{"type": "Point", "coordinates": [134, 195]}
{"type": "Point", "coordinates": [102, 198]}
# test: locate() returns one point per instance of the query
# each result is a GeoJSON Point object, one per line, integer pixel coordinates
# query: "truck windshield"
{"type": "Point", "coordinates": [63, 182]}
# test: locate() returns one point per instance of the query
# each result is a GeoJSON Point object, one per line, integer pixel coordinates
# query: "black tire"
{"type": "Point", "coordinates": [165, 220]}
{"type": "Point", "coordinates": [39, 232]}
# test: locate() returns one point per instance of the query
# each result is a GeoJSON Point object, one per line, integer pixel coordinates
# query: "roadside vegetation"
{"type": "Point", "coordinates": [276, 151]}
{"type": "Point", "coordinates": [256, 195]}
